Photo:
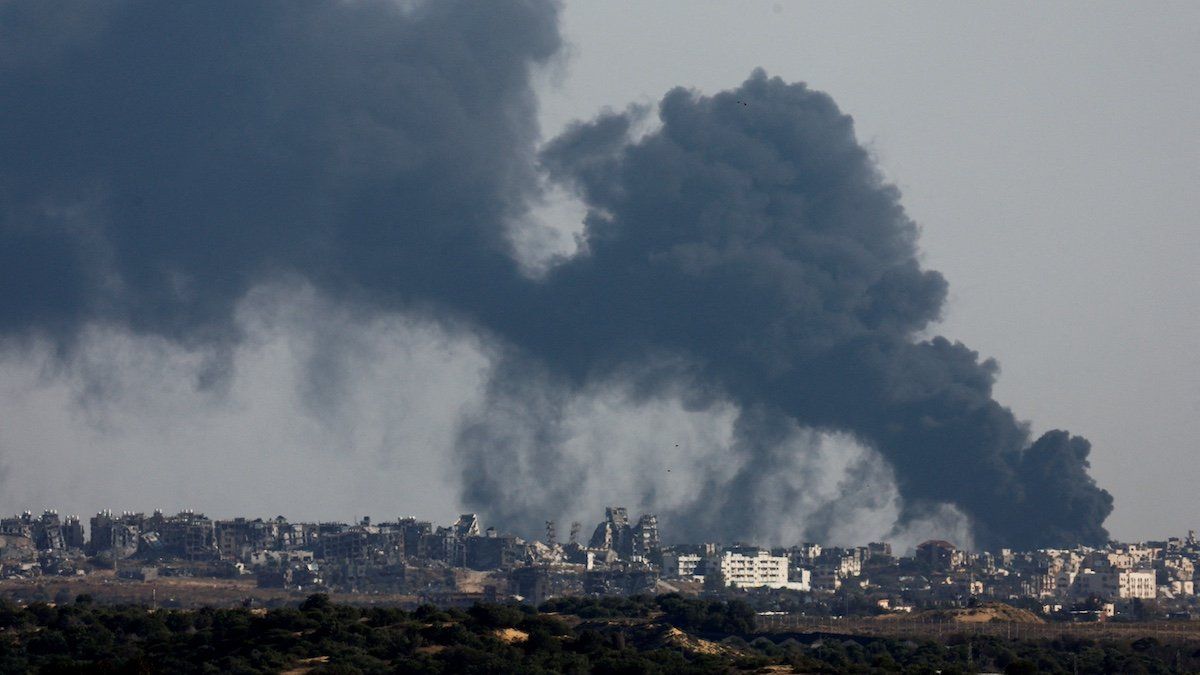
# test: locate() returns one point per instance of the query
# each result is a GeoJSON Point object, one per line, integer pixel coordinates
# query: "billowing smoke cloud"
{"type": "Point", "coordinates": [163, 158]}
{"type": "Point", "coordinates": [752, 234]}
{"type": "Point", "coordinates": [160, 161]}
{"type": "Point", "coordinates": [544, 449]}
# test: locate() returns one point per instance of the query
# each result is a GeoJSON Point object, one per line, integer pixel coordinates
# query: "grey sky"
{"type": "Point", "coordinates": [1051, 153]}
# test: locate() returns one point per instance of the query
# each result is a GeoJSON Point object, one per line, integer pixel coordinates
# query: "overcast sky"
{"type": "Point", "coordinates": [1051, 154]}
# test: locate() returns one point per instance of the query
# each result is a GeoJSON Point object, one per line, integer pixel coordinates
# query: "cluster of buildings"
{"type": "Point", "coordinates": [464, 561]}
{"type": "Point", "coordinates": [1156, 578]}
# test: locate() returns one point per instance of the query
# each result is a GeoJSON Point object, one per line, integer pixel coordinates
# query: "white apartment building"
{"type": "Point", "coordinates": [1117, 584]}
{"type": "Point", "coordinates": [1138, 584]}
{"type": "Point", "coordinates": [682, 566]}
{"type": "Point", "coordinates": [754, 570]}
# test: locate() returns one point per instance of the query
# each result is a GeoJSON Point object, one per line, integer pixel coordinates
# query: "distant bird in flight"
{"type": "Point", "coordinates": [743, 103]}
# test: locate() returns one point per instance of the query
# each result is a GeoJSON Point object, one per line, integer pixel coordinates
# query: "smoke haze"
{"type": "Point", "coordinates": [301, 239]}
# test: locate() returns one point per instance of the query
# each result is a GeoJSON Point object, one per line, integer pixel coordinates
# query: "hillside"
{"type": "Point", "coordinates": [983, 613]}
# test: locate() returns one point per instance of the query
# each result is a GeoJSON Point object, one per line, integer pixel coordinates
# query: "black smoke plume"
{"type": "Point", "coordinates": [158, 160]}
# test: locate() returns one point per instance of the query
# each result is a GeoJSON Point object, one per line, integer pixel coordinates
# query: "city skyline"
{"type": "Point", "coordinates": [586, 534]}
{"type": "Point", "coordinates": [468, 561]}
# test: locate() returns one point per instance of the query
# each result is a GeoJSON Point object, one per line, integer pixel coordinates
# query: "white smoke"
{"type": "Point", "coordinates": [125, 424]}
{"type": "Point", "coordinates": [543, 452]}
{"type": "Point", "coordinates": [323, 412]}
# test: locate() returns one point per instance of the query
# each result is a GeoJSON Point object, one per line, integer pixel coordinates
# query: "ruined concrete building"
{"type": "Point", "coordinates": [495, 551]}
{"type": "Point", "coordinates": [645, 536]}
{"type": "Point", "coordinates": [45, 533]}
{"type": "Point", "coordinates": [412, 531]}
{"type": "Point", "coordinates": [467, 526]}
{"type": "Point", "coordinates": [615, 534]}
{"type": "Point", "coordinates": [187, 535]}
{"type": "Point", "coordinates": [115, 536]}
{"type": "Point", "coordinates": [361, 544]}
{"type": "Point", "coordinates": [239, 537]}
